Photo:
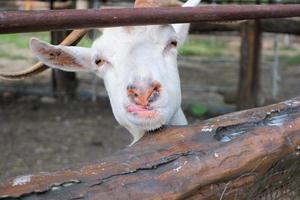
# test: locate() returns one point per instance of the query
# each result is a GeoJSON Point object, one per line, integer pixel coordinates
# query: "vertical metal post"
{"type": "Point", "coordinates": [64, 84]}
{"type": "Point", "coordinates": [249, 83]}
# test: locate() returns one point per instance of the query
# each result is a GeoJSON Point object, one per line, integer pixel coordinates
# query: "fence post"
{"type": "Point", "coordinates": [249, 80]}
{"type": "Point", "coordinates": [64, 84]}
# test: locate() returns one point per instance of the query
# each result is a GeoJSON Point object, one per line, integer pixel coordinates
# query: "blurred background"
{"type": "Point", "coordinates": [58, 119]}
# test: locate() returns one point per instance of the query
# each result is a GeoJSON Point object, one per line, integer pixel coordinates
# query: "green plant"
{"type": "Point", "coordinates": [198, 110]}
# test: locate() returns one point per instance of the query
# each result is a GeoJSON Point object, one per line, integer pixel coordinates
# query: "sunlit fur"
{"type": "Point", "coordinates": [127, 55]}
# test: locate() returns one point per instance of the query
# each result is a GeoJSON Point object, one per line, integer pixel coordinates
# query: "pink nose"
{"type": "Point", "coordinates": [143, 94]}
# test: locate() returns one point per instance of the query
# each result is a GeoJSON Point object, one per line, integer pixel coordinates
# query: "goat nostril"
{"type": "Point", "coordinates": [131, 87]}
{"type": "Point", "coordinates": [156, 86]}
{"type": "Point", "coordinates": [155, 92]}
{"type": "Point", "coordinates": [144, 94]}
{"type": "Point", "coordinates": [154, 96]}
{"type": "Point", "coordinates": [132, 93]}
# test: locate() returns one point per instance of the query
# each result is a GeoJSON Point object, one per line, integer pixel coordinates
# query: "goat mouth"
{"type": "Point", "coordinates": [142, 112]}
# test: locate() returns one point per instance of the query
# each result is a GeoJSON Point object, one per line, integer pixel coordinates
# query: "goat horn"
{"type": "Point", "coordinates": [156, 3]}
{"type": "Point", "coordinates": [72, 39]}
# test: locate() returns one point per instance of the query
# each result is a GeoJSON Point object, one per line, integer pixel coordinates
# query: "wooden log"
{"type": "Point", "coordinates": [249, 79]}
{"type": "Point", "coordinates": [64, 84]}
{"type": "Point", "coordinates": [290, 26]}
{"type": "Point", "coordinates": [204, 27]}
{"type": "Point", "coordinates": [192, 162]}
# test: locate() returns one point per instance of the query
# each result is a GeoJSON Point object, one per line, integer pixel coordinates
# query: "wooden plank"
{"type": "Point", "coordinates": [64, 84]}
{"type": "Point", "coordinates": [190, 162]}
{"type": "Point", "coordinates": [249, 79]}
{"type": "Point", "coordinates": [290, 26]}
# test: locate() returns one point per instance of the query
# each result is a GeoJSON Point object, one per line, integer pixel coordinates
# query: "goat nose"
{"type": "Point", "coordinates": [143, 94]}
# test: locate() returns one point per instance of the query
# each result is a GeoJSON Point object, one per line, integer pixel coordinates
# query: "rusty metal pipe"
{"type": "Point", "coordinates": [30, 21]}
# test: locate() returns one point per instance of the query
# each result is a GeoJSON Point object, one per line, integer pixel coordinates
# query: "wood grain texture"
{"type": "Point", "coordinates": [191, 162]}
{"type": "Point", "coordinates": [250, 68]}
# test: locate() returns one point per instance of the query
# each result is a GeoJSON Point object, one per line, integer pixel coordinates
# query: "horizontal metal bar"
{"type": "Point", "coordinates": [30, 21]}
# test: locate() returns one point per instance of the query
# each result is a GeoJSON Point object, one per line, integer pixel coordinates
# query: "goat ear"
{"type": "Point", "coordinates": [183, 29]}
{"type": "Point", "coordinates": [62, 57]}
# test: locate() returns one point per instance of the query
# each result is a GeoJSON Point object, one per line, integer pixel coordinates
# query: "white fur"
{"type": "Point", "coordinates": [130, 54]}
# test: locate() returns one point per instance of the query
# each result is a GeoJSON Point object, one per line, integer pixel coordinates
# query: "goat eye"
{"type": "Point", "coordinates": [99, 61]}
{"type": "Point", "coordinates": [174, 43]}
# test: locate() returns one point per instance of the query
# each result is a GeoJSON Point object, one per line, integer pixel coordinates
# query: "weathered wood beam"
{"type": "Point", "coordinates": [290, 26]}
{"type": "Point", "coordinates": [192, 162]}
{"type": "Point", "coordinates": [64, 84]}
{"type": "Point", "coordinates": [249, 79]}
{"type": "Point", "coordinates": [204, 27]}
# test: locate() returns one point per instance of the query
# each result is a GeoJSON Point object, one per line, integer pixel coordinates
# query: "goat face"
{"type": "Point", "coordinates": [139, 69]}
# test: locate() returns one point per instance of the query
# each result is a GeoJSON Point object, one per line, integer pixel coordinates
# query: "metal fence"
{"type": "Point", "coordinates": [29, 21]}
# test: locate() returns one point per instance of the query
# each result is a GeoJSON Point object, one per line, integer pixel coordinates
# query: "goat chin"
{"type": "Point", "coordinates": [141, 127]}
{"type": "Point", "coordinates": [146, 124]}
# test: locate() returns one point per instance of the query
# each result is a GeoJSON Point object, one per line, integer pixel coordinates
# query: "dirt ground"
{"type": "Point", "coordinates": [38, 133]}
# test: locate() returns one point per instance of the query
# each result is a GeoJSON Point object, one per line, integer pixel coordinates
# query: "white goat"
{"type": "Point", "coordinates": [139, 69]}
